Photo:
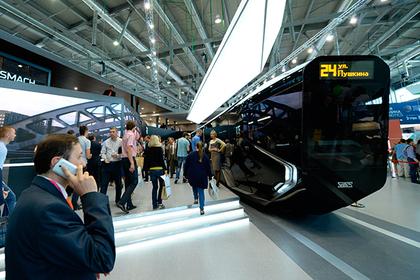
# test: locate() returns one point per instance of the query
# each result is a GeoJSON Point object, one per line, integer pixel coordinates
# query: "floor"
{"type": "Point", "coordinates": [380, 241]}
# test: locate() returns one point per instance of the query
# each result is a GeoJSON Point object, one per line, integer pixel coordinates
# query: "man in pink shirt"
{"type": "Point", "coordinates": [129, 165]}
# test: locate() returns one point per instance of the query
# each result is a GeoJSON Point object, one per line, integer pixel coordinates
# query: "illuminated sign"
{"type": "Point", "coordinates": [18, 70]}
{"type": "Point", "coordinates": [358, 70]}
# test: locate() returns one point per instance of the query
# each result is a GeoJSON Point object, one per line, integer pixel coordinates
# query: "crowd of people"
{"type": "Point", "coordinates": [405, 158]}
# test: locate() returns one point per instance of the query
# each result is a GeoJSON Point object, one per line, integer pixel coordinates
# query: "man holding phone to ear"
{"type": "Point", "coordinates": [45, 238]}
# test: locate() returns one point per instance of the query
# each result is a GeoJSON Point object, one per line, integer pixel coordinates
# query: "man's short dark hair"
{"type": "Point", "coordinates": [130, 125]}
{"type": "Point", "coordinates": [91, 137]}
{"type": "Point", "coordinates": [403, 141]}
{"type": "Point", "coordinates": [83, 129]}
{"type": "Point", "coordinates": [71, 132]}
{"type": "Point", "coordinates": [53, 145]}
{"type": "Point", "coordinates": [409, 141]}
{"type": "Point", "coordinates": [185, 134]}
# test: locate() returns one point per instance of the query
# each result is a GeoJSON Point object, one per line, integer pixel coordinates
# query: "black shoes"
{"type": "Point", "coordinates": [131, 207]}
{"type": "Point", "coordinates": [416, 182]}
{"type": "Point", "coordinates": [122, 208]}
{"type": "Point", "coordinates": [176, 181]}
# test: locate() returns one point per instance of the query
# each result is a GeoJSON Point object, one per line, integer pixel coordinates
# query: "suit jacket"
{"type": "Point", "coordinates": [169, 153]}
{"type": "Point", "coordinates": [95, 149]}
{"type": "Point", "coordinates": [46, 239]}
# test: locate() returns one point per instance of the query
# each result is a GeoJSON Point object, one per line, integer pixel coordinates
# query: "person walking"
{"type": "Point", "coordinates": [216, 148]}
{"type": "Point", "coordinates": [183, 146]}
{"type": "Point", "coordinates": [94, 163]}
{"type": "Point", "coordinates": [403, 167]}
{"type": "Point", "coordinates": [410, 155]}
{"type": "Point", "coordinates": [196, 139]}
{"type": "Point", "coordinates": [171, 156]}
{"type": "Point", "coordinates": [155, 163]}
{"type": "Point", "coordinates": [111, 170]}
{"type": "Point", "coordinates": [7, 135]}
{"type": "Point", "coordinates": [197, 170]}
{"type": "Point", "coordinates": [129, 150]}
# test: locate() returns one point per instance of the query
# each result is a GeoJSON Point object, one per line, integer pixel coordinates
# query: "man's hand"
{"type": "Point", "coordinates": [132, 168]}
{"type": "Point", "coordinates": [114, 155]}
{"type": "Point", "coordinates": [5, 193]}
{"type": "Point", "coordinates": [82, 183]}
{"type": "Point", "coordinates": [107, 160]}
{"type": "Point", "coordinates": [98, 275]}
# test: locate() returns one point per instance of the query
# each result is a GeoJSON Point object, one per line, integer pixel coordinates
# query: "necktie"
{"type": "Point", "coordinates": [110, 92]}
{"type": "Point", "coordinates": [69, 203]}
{"type": "Point", "coordinates": [67, 199]}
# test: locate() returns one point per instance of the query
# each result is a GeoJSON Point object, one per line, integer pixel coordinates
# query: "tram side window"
{"type": "Point", "coordinates": [274, 124]}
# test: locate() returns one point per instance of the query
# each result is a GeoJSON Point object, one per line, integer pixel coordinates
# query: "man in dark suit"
{"type": "Point", "coordinates": [45, 238]}
{"type": "Point", "coordinates": [94, 163]}
{"type": "Point", "coordinates": [110, 91]}
{"type": "Point", "coordinates": [171, 156]}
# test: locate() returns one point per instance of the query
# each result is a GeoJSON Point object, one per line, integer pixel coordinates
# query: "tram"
{"type": "Point", "coordinates": [314, 139]}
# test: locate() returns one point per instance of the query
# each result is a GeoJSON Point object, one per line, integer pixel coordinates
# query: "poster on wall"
{"type": "Point", "coordinates": [406, 112]}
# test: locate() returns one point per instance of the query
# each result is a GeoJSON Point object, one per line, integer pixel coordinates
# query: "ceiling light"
{"type": "Point", "coordinates": [147, 5]}
{"type": "Point", "coordinates": [258, 25]}
{"type": "Point", "coordinates": [353, 19]}
{"type": "Point", "coordinates": [75, 88]}
{"type": "Point", "coordinates": [155, 71]}
{"type": "Point", "coordinates": [153, 112]}
{"type": "Point", "coordinates": [330, 37]}
{"type": "Point", "coordinates": [116, 43]}
{"type": "Point", "coordinates": [142, 108]}
{"type": "Point", "coordinates": [154, 63]}
{"type": "Point", "coordinates": [272, 76]}
{"type": "Point", "coordinates": [20, 65]}
{"type": "Point", "coordinates": [294, 60]}
{"type": "Point", "coordinates": [168, 82]}
{"type": "Point", "coordinates": [153, 40]}
{"type": "Point", "coordinates": [152, 26]}
{"type": "Point", "coordinates": [147, 66]}
{"type": "Point", "coordinates": [154, 53]}
{"type": "Point", "coordinates": [218, 19]}
{"type": "Point", "coordinates": [283, 69]}
{"type": "Point", "coordinates": [265, 118]}
{"type": "Point", "coordinates": [310, 50]}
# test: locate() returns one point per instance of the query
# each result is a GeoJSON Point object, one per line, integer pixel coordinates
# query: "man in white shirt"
{"type": "Point", "coordinates": [111, 169]}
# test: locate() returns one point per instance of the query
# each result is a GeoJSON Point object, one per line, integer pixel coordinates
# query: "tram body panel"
{"type": "Point", "coordinates": [317, 142]}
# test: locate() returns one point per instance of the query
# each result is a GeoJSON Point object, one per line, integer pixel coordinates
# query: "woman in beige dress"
{"type": "Point", "coordinates": [216, 147]}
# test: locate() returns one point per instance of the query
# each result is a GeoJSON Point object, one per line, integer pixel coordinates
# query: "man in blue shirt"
{"type": "Point", "coordinates": [183, 146]}
{"type": "Point", "coordinates": [409, 153]}
{"type": "Point", "coordinates": [7, 135]}
{"type": "Point", "coordinates": [196, 139]}
{"type": "Point", "coordinates": [403, 167]}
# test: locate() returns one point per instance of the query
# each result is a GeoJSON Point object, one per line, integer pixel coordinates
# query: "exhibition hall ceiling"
{"type": "Point", "coordinates": [164, 50]}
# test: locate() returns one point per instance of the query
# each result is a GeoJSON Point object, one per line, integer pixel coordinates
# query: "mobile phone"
{"type": "Point", "coordinates": [70, 166]}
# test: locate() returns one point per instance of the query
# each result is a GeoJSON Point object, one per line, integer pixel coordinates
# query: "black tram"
{"type": "Point", "coordinates": [313, 139]}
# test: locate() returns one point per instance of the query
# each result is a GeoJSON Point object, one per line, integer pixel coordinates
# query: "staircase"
{"type": "Point", "coordinates": [148, 228]}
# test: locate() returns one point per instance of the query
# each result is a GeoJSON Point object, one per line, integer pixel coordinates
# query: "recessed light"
{"type": "Point", "coordinates": [20, 65]}
{"type": "Point", "coordinates": [147, 66]}
{"type": "Point", "coordinates": [153, 112]}
{"type": "Point", "coordinates": [75, 88]}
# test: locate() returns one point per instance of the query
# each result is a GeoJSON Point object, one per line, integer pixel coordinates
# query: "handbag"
{"type": "Point", "coordinates": [140, 161]}
{"type": "Point", "coordinates": [166, 189]}
{"type": "Point", "coordinates": [213, 190]}
{"type": "Point", "coordinates": [3, 226]}
{"type": "Point", "coordinates": [140, 181]}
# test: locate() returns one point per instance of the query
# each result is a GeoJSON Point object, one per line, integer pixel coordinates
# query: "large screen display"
{"type": "Point", "coordinates": [34, 115]}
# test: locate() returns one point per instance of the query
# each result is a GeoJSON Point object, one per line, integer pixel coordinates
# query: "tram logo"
{"type": "Point", "coordinates": [345, 185]}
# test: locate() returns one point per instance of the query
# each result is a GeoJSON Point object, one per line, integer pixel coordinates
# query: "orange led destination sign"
{"type": "Point", "coordinates": [346, 70]}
